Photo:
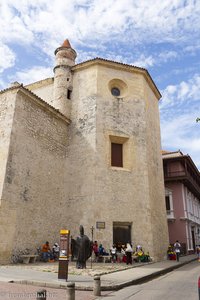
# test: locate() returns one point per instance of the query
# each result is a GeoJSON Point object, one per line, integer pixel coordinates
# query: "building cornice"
{"type": "Point", "coordinates": [183, 158]}
{"type": "Point", "coordinates": [40, 83]}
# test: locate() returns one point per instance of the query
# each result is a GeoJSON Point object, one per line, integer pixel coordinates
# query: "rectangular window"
{"type": "Point", "coordinates": [167, 202]}
{"type": "Point", "coordinates": [69, 93]}
{"type": "Point", "coordinates": [117, 155]}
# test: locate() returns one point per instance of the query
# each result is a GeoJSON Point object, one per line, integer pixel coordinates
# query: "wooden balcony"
{"type": "Point", "coordinates": [186, 178]}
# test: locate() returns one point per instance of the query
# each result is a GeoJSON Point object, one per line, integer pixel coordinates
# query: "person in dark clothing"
{"type": "Point", "coordinates": [96, 250]}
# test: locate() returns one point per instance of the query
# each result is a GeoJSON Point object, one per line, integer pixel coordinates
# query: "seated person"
{"type": "Point", "coordinates": [138, 254]}
{"type": "Point", "coordinates": [113, 252]}
{"type": "Point", "coordinates": [102, 251]}
{"type": "Point", "coordinates": [123, 252]}
{"type": "Point", "coordinates": [170, 253]}
{"type": "Point", "coordinates": [95, 248]}
{"type": "Point", "coordinates": [55, 251]}
{"type": "Point", "coordinates": [141, 256]}
{"type": "Point", "coordinates": [46, 252]}
{"type": "Point", "coordinates": [138, 247]}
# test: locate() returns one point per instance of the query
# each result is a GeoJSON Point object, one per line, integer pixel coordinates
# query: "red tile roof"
{"type": "Point", "coordinates": [66, 44]}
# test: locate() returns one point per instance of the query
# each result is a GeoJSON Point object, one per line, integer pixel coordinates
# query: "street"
{"type": "Point", "coordinates": [179, 284]}
{"type": "Point", "coordinates": [29, 292]}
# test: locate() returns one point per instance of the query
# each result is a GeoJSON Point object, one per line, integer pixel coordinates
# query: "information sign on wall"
{"type": "Point", "coordinates": [100, 225]}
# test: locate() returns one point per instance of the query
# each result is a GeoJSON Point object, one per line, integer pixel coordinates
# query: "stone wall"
{"type": "Point", "coordinates": [34, 186]}
{"type": "Point", "coordinates": [43, 89]}
{"type": "Point", "coordinates": [7, 213]}
{"type": "Point", "coordinates": [135, 193]}
{"type": "Point", "coordinates": [159, 228]}
{"type": "Point", "coordinates": [108, 194]}
{"type": "Point", "coordinates": [123, 191]}
{"type": "Point", "coordinates": [7, 106]}
{"type": "Point", "coordinates": [82, 152]}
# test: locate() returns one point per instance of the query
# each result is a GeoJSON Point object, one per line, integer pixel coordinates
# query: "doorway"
{"type": "Point", "coordinates": [193, 238]}
{"type": "Point", "coordinates": [121, 232]}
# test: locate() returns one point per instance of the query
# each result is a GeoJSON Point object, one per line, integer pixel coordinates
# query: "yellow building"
{"type": "Point", "coordinates": [82, 148]}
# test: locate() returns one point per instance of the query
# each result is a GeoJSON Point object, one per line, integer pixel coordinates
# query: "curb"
{"type": "Point", "coordinates": [112, 287]}
{"type": "Point", "coordinates": [144, 278]}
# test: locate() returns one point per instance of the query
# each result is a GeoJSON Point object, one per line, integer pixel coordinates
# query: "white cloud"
{"type": "Point", "coordinates": [179, 110]}
{"type": "Point", "coordinates": [94, 26]}
{"type": "Point", "coordinates": [144, 62]}
{"type": "Point", "coordinates": [186, 92]}
{"type": "Point", "coordinates": [167, 55]}
{"type": "Point", "coordinates": [182, 132]}
{"type": "Point", "coordinates": [183, 90]}
{"type": "Point", "coordinates": [13, 28]}
{"type": "Point", "coordinates": [91, 21]}
{"type": "Point", "coordinates": [35, 74]}
{"type": "Point", "coordinates": [7, 58]}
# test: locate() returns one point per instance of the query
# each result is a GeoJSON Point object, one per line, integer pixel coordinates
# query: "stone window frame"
{"type": "Point", "coordinates": [168, 193]}
{"type": "Point", "coordinates": [119, 85]}
{"type": "Point", "coordinates": [124, 140]}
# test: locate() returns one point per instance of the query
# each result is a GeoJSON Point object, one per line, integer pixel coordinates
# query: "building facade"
{"type": "Point", "coordinates": [82, 148]}
{"type": "Point", "coordinates": [182, 196]}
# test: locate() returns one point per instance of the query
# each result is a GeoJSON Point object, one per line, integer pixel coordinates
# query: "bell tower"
{"type": "Point", "coordinates": [65, 60]}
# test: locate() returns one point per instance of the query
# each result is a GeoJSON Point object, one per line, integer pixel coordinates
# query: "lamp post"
{"type": "Point", "coordinates": [92, 231]}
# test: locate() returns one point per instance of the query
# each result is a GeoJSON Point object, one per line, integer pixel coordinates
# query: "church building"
{"type": "Point", "coordinates": [82, 148]}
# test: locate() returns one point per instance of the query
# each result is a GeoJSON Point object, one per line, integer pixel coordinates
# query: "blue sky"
{"type": "Point", "coordinates": [161, 36]}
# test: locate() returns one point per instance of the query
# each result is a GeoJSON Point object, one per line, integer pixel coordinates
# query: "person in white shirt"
{"type": "Point", "coordinates": [56, 250]}
{"type": "Point", "coordinates": [113, 252]}
{"type": "Point", "coordinates": [177, 249]}
{"type": "Point", "coordinates": [129, 251]}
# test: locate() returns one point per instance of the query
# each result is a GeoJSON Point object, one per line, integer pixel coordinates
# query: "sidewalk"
{"type": "Point", "coordinates": [45, 275]}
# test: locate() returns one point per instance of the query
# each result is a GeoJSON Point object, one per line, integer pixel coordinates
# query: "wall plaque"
{"type": "Point", "coordinates": [100, 225]}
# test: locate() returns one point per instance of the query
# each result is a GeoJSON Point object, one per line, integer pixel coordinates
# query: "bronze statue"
{"type": "Point", "coordinates": [82, 249]}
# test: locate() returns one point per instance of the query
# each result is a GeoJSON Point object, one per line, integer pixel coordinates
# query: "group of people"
{"type": "Point", "coordinates": [48, 254]}
{"type": "Point", "coordinates": [174, 251]}
{"type": "Point", "coordinates": [98, 250]}
{"type": "Point", "coordinates": [122, 253]}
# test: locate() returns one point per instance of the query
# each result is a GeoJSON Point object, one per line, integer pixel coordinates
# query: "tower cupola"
{"type": "Point", "coordinates": [65, 55]}
{"type": "Point", "coordinates": [63, 83]}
